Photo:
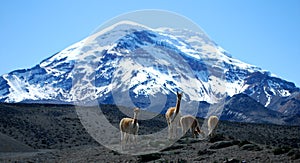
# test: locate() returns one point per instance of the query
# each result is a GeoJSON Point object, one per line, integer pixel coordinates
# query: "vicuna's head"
{"type": "Point", "coordinates": [179, 95]}
{"type": "Point", "coordinates": [199, 132]}
{"type": "Point", "coordinates": [136, 111]}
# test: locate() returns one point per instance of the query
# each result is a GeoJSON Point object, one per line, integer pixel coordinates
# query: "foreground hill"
{"type": "Point", "coordinates": [57, 135]}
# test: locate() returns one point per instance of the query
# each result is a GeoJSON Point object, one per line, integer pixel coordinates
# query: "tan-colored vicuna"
{"type": "Point", "coordinates": [171, 115]}
{"type": "Point", "coordinates": [212, 124]}
{"type": "Point", "coordinates": [129, 128]}
{"type": "Point", "coordinates": [190, 122]}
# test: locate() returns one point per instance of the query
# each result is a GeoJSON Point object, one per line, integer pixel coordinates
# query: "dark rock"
{"type": "Point", "coordinates": [244, 142]}
{"type": "Point", "coordinates": [218, 137]}
{"type": "Point", "coordinates": [222, 144]}
{"type": "Point", "coordinates": [251, 147]}
{"type": "Point", "coordinates": [173, 147]}
{"type": "Point", "coordinates": [232, 160]}
{"type": "Point", "coordinates": [149, 157]}
{"type": "Point", "coordinates": [294, 154]}
{"type": "Point", "coordinates": [205, 152]}
{"type": "Point", "coordinates": [281, 150]}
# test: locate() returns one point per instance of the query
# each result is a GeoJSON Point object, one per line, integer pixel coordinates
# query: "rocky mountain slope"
{"type": "Point", "coordinates": [131, 62]}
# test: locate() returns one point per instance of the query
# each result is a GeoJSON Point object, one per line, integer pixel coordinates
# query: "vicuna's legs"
{"type": "Point", "coordinates": [170, 130]}
{"type": "Point", "coordinates": [134, 138]}
{"type": "Point", "coordinates": [128, 139]}
{"type": "Point", "coordinates": [124, 139]}
{"type": "Point", "coordinates": [122, 142]}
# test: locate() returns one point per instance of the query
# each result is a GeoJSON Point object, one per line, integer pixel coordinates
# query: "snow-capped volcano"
{"type": "Point", "coordinates": [130, 59]}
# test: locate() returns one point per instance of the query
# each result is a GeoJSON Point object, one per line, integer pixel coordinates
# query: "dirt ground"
{"type": "Point", "coordinates": [54, 133]}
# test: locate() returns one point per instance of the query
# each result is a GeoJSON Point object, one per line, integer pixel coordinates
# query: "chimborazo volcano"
{"type": "Point", "coordinates": [149, 65]}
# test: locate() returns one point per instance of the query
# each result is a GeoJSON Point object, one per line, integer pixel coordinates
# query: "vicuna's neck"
{"type": "Point", "coordinates": [135, 118]}
{"type": "Point", "coordinates": [177, 106]}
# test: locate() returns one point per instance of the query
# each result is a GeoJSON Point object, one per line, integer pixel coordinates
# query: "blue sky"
{"type": "Point", "coordinates": [265, 33]}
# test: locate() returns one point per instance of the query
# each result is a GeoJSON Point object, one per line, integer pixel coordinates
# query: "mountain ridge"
{"type": "Point", "coordinates": [164, 61]}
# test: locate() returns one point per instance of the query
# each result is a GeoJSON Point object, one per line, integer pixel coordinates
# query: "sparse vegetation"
{"type": "Point", "coordinates": [281, 150]}
{"type": "Point", "coordinates": [58, 129]}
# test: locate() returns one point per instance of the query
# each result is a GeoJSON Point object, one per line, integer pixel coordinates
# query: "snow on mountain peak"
{"type": "Point", "coordinates": [124, 24]}
{"type": "Point", "coordinates": [167, 60]}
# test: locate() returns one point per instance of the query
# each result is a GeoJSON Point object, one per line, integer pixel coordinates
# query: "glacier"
{"type": "Point", "coordinates": [100, 67]}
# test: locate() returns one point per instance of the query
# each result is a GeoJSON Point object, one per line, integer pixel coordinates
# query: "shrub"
{"type": "Point", "coordinates": [281, 150]}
